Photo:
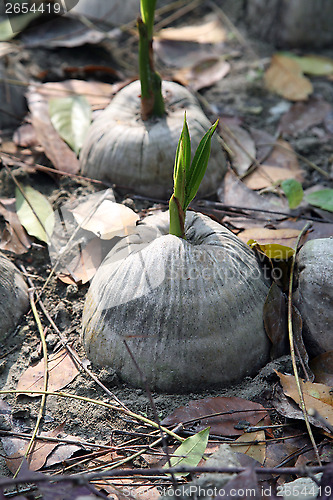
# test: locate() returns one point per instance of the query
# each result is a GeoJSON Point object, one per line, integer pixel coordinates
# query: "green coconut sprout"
{"type": "Point", "coordinates": [152, 103]}
{"type": "Point", "coordinates": [187, 176]}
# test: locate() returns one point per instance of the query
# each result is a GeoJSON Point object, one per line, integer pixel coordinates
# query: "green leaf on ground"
{"type": "Point", "coordinates": [35, 213]}
{"type": "Point", "coordinates": [190, 452]}
{"type": "Point", "coordinates": [314, 64]}
{"type": "Point", "coordinates": [293, 191]}
{"type": "Point", "coordinates": [321, 199]}
{"type": "Point", "coordinates": [19, 22]}
{"type": "Point", "coordinates": [71, 117]}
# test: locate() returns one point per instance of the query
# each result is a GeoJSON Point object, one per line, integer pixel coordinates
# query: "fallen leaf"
{"type": "Point", "coordinates": [106, 219]}
{"type": "Point", "coordinates": [179, 54]}
{"type": "Point", "coordinates": [25, 136]}
{"type": "Point", "coordinates": [38, 454]}
{"type": "Point", "coordinates": [235, 193]}
{"type": "Point", "coordinates": [316, 396]}
{"type": "Point", "coordinates": [322, 199]}
{"type": "Point", "coordinates": [293, 191]}
{"type": "Point", "coordinates": [190, 452]}
{"type": "Point", "coordinates": [98, 94]}
{"type": "Point", "coordinates": [84, 266]}
{"type": "Point", "coordinates": [230, 412]}
{"type": "Point", "coordinates": [71, 117]}
{"type": "Point", "coordinates": [275, 243]}
{"type": "Point", "coordinates": [314, 64]}
{"type": "Point", "coordinates": [61, 156]}
{"type": "Point", "coordinates": [35, 213]}
{"type": "Point", "coordinates": [255, 450]}
{"type": "Point", "coordinates": [275, 321]}
{"type": "Point", "coordinates": [285, 77]}
{"type": "Point", "coordinates": [281, 164]}
{"type": "Point", "coordinates": [207, 32]}
{"type": "Point", "coordinates": [61, 369]}
{"type": "Point", "coordinates": [242, 484]}
{"type": "Point", "coordinates": [241, 145]}
{"type": "Point", "coordinates": [14, 237]}
{"type": "Point", "coordinates": [203, 74]}
{"type": "Point", "coordinates": [322, 367]}
{"type": "Point", "coordinates": [303, 115]}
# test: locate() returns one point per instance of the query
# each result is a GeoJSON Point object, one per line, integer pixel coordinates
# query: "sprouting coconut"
{"type": "Point", "coordinates": [183, 295]}
{"type": "Point", "coordinates": [134, 140]}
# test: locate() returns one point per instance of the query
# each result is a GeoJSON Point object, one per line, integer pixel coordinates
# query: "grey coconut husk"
{"type": "Point", "coordinates": [314, 294]}
{"type": "Point", "coordinates": [123, 149]}
{"type": "Point", "coordinates": [14, 299]}
{"type": "Point", "coordinates": [190, 310]}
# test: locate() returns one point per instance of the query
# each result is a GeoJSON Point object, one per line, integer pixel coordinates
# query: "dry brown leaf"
{"type": "Point", "coordinates": [42, 452]}
{"type": "Point", "coordinates": [84, 266]}
{"type": "Point", "coordinates": [106, 219]}
{"type": "Point", "coordinates": [204, 73]}
{"type": "Point", "coordinates": [285, 77]}
{"type": "Point", "coordinates": [316, 396]}
{"type": "Point", "coordinates": [98, 94]}
{"type": "Point", "coordinates": [14, 237]}
{"type": "Point", "coordinates": [25, 136]}
{"type": "Point", "coordinates": [61, 369]}
{"type": "Point", "coordinates": [232, 411]}
{"type": "Point", "coordinates": [62, 157]}
{"type": "Point", "coordinates": [264, 236]}
{"type": "Point", "coordinates": [208, 32]}
{"type": "Point", "coordinates": [304, 115]}
{"type": "Point", "coordinates": [241, 145]}
{"type": "Point", "coordinates": [322, 367]}
{"type": "Point", "coordinates": [39, 453]}
{"type": "Point", "coordinates": [256, 451]}
{"type": "Point", "coordinates": [280, 165]}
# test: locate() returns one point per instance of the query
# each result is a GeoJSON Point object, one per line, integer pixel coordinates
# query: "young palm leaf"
{"type": "Point", "coordinates": [187, 176]}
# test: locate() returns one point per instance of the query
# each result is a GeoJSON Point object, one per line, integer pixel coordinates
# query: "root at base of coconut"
{"type": "Point", "coordinates": [190, 310]}
{"type": "Point", "coordinates": [14, 299]}
{"type": "Point", "coordinates": [139, 155]}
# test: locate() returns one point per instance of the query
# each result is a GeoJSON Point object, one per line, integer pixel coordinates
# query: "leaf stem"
{"type": "Point", "coordinates": [152, 103]}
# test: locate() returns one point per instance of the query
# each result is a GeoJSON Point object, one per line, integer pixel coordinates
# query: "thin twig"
{"type": "Point", "coordinates": [291, 343]}
{"type": "Point", "coordinates": [45, 378]}
{"type": "Point", "coordinates": [130, 413]}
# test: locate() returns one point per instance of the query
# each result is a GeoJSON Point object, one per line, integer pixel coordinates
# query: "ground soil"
{"type": "Point", "coordinates": [239, 93]}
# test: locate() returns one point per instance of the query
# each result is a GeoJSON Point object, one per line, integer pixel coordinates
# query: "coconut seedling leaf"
{"type": "Point", "coordinates": [195, 174]}
{"type": "Point", "coordinates": [190, 452]}
{"type": "Point", "coordinates": [322, 199]}
{"type": "Point", "coordinates": [61, 369]}
{"type": "Point", "coordinates": [293, 191]}
{"type": "Point", "coordinates": [35, 213]}
{"type": "Point", "coordinates": [71, 117]}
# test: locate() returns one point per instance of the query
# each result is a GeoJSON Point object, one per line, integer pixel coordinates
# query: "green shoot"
{"type": "Point", "coordinates": [187, 176]}
{"type": "Point", "coordinates": [152, 103]}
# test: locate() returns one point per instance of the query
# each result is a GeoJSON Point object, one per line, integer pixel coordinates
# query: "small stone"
{"type": "Point", "coordinates": [4, 423]}
{"type": "Point", "coordinates": [35, 356]}
{"type": "Point", "coordinates": [51, 340]}
{"type": "Point", "coordinates": [72, 290]}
